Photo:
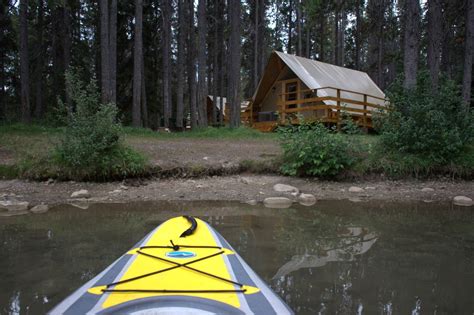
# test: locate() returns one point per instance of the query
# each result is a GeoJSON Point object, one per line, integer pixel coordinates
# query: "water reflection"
{"type": "Point", "coordinates": [335, 257]}
{"type": "Point", "coordinates": [354, 241]}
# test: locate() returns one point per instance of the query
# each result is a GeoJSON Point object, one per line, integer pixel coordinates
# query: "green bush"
{"type": "Point", "coordinates": [312, 149]}
{"type": "Point", "coordinates": [433, 126]}
{"type": "Point", "coordinates": [92, 147]}
{"type": "Point", "coordinates": [349, 126]}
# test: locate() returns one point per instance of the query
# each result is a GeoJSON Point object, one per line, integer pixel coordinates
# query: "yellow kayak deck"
{"type": "Point", "coordinates": [182, 266]}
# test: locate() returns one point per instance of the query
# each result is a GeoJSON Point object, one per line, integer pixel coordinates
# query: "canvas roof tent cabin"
{"type": "Point", "coordinates": [210, 103]}
{"type": "Point", "coordinates": [293, 86]}
{"type": "Point", "coordinates": [244, 105]}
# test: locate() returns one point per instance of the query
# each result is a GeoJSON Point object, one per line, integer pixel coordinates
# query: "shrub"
{"type": "Point", "coordinates": [92, 147]}
{"type": "Point", "coordinates": [349, 126]}
{"type": "Point", "coordinates": [434, 126]}
{"type": "Point", "coordinates": [312, 149]}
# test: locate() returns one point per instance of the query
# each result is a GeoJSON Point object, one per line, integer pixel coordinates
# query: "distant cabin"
{"type": "Point", "coordinates": [293, 87]}
{"type": "Point", "coordinates": [218, 104]}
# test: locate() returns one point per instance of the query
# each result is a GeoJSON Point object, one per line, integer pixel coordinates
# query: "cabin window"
{"type": "Point", "coordinates": [291, 93]}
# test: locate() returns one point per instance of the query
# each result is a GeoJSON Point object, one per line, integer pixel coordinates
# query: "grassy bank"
{"type": "Point", "coordinates": [204, 133]}
{"type": "Point", "coordinates": [25, 152]}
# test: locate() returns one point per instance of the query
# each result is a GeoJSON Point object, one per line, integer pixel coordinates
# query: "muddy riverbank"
{"type": "Point", "coordinates": [237, 187]}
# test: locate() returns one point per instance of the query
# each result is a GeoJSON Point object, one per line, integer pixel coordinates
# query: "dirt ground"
{"type": "Point", "coordinates": [239, 187]}
{"type": "Point", "coordinates": [169, 153]}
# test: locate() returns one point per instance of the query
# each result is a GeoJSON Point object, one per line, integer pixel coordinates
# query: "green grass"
{"type": "Point", "coordinates": [205, 133]}
{"type": "Point", "coordinates": [27, 142]}
{"type": "Point", "coordinates": [398, 165]}
{"type": "Point", "coordinates": [29, 147]}
{"type": "Point", "coordinates": [8, 172]}
{"type": "Point", "coordinates": [35, 129]}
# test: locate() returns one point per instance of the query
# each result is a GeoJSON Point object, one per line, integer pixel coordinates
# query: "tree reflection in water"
{"type": "Point", "coordinates": [335, 257]}
{"type": "Point", "coordinates": [354, 241]}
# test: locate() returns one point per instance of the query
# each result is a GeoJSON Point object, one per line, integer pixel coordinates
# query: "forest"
{"type": "Point", "coordinates": [158, 60]}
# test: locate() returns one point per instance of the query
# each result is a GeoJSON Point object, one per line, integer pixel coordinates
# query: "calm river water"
{"type": "Point", "coordinates": [335, 257]}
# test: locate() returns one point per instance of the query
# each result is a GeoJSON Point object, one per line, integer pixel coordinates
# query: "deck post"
{"type": "Point", "coordinates": [366, 127]}
{"type": "Point", "coordinates": [283, 106]}
{"type": "Point", "coordinates": [338, 113]}
{"type": "Point", "coordinates": [251, 113]}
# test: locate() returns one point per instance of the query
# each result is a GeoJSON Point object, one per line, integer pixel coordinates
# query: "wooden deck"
{"type": "Point", "coordinates": [314, 109]}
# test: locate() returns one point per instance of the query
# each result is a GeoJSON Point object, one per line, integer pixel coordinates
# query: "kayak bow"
{"type": "Point", "coordinates": [183, 266]}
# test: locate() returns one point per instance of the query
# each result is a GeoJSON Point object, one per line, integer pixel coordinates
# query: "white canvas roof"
{"type": "Point", "coordinates": [315, 74]}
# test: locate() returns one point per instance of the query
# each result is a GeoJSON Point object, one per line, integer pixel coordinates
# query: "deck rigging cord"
{"type": "Point", "coordinates": [192, 228]}
{"type": "Point", "coordinates": [176, 247]}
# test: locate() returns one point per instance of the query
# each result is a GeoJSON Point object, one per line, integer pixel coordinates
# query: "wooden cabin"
{"type": "Point", "coordinates": [293, 87]}
{"type": "Point", "coordinates": [218, 104]}
{"type": "Point", "coordinates": [224, 106]}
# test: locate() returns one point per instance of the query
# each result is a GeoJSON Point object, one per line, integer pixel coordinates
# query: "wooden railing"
{"type": "Point", "coordinates": [359, 110]}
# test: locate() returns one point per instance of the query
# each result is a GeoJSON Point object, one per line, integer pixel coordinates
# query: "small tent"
{"type": "Point", "coordinates": [293, 86]}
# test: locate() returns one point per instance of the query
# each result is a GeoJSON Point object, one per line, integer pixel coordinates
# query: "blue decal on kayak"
{"type": "Point", "coordinates": [180, 254]}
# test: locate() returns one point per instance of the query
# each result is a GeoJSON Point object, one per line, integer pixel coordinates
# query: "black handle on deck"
{"type": "Point", "coordinates": [193, 227]}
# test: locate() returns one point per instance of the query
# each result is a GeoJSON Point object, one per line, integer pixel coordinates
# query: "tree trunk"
{"type": "Point", "coordinates": [255, 47]}
{"type": "Point", "coordinates": [261, 46]}
{"type": "Point", "coordinates": [4, 23]}
{"type": "Point", "coordinates": [357, 35]}
{"type": "Point", "coordinates": [57, 55]}
{"type": "Point", "coordinates": [113, 50]}
{"type": "Point", "coordinates": [137, 64]}
{"type": "Point", "coordinates": [202, 85]}
{"type": "Point", "coordinates": [191, 58]}
{"type": "Point", "coordinates": [215, 64]}
{"type": "Point", "coordinates": [234, 75]}
{"type": "Point", "coordinates": [299, 28]}
{"type": "Point", "coordinates": [144, 108]}
{"type": "Point", "coordinates": [447, 51]}
{"type": "Point", "coordinates": [104, 51]}
{"type": "Point", "coordinates": [341, 37]}
{"type": "Point", "coordinates": [166, 40]}
{"type": "Point", "coordinates": [376, 15]}
{"type": "Point", "coordinates": [24, 63]}
{"type": "Point", "coordinates": [435, 19]}
{"type": "Point", "coordinates": [181, 61]}
{"type": "Point", "coordinates": [67, 47]}
{"type": "Point", "coordinates": [39, 63]}
{"type": "Point", "coordinates": [336, 34]}
{"type": "Point", "coordinates": [411, 46]}
{"type": "Point", "coordinates": [222, 67]}
{"type": "Point", "coordinates": [289, 26]}
{"type": "Point", "coordinates": [308, 40]}
{"type": "Point", "coordinates": [2, 85]}
{"type": "Point", "coordinates": [468, 50]}
{"type": "Point", "coordinates": [322, 37]}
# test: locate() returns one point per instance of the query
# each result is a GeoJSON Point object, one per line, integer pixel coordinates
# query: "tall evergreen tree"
{"type": "Point", "coordinates": [113, 50]}
{"type": "Point", "coordinates": [234, 54]}
{"type": "Point", "coordinates": [24, 63]}
{"type": "Point", "coordinates": [434, 40]}
{"type": "Point", "coordinates": [181, 63]}
{"type": "Point", "coordinates": [468, 53]}
{"type": "Point", "coordinates": [137, 64]}
{"type": "Point", "coordinates": [104, 51]}
{"type": "Point", "coordinates": [166, 56]}
{"type": "Point", "coordinates": [191, 64]}
{"type": "Point", "coordinates": [202, 48]}
{"type": "Point", "coordinates": [39, 62]}
{"type": "Point", "coordinates": [412, 42]}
